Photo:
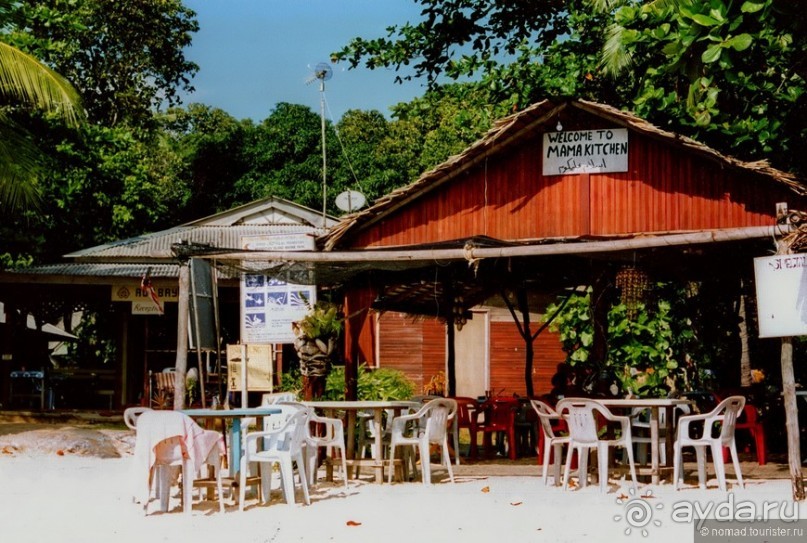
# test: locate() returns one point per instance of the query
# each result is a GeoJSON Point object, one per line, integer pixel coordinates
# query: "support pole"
{"type": "Point", "coordinates": [183, 317]}
{"type": "Point", "coordinates": [791, 409]}
{"type": "Point", "coordinates": [791, 419]}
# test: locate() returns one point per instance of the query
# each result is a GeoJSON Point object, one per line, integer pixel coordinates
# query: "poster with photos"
{"type": "Point", "coordinates": [268, 307]}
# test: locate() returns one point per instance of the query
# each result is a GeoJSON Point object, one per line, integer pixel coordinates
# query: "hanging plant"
{"type": "Point", "coordinates": [316, 336]}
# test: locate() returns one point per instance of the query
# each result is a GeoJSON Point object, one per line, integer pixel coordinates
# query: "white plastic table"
{"type": "Point", "coordinates": [655, 405]}
{"type": "Point", "coordinates": [235, 432]}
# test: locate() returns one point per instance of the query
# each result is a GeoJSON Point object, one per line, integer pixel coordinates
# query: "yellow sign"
{"type": "Point", "coordinates": [133, 293]}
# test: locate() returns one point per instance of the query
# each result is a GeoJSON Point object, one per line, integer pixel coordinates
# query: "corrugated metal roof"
{"type": "Point", "coordinates": [102, 270]}
{"type": "Point", "coordinates": [158, 245]}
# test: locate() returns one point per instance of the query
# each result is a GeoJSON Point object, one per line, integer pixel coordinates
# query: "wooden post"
{"type": "Point", "coordinates": [791, 409]}
{"type": "Point", "coordinates": [791, 419]}
{"type": "Point", "coordinates": [183, 318]}
{"type": "Point", "coordinates": [451, 353]}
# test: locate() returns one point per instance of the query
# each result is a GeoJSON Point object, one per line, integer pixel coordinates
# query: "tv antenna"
{"type": "Point", "coordinates": [322, 73]}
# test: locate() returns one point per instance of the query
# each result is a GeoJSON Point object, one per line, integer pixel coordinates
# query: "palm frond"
{"type": "Point", "coordinates": [20, 164]}
{"type": "Point", "coordinates": [615, 58]}
{"type": "Point", "coordinates": [23, 78]}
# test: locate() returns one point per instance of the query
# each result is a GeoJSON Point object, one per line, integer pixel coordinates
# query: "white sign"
{"type": "Point", "coordinates": [269, 305]}
{"type": "Point", "coordinates": [140, 307]}
{"type": "Point", "coordinates": [781, 295]}
{"type": "Point", "coordinates": [279, 242]}
{"type": "Point", "coordinates": [585, 151]}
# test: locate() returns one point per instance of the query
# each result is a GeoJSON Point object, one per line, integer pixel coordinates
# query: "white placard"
{"type": "Point", "coordinates": [781, 295]}
{"type": "Point", "coordinates": [269, 305]}
{"type": "Point", "coordinates": [585, 151]}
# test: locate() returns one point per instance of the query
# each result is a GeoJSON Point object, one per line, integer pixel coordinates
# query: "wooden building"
{"type": "Point", "coordinates": [107, 278]}
{"type": "Point", "coordinates": [550, 197]}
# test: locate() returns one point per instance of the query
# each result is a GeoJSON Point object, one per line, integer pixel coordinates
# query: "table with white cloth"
{"type": "Point", "coordinates": [654, 405]}
{"type": "Point", "coordinates": [235, 431]}
{"type": "Point", "coordinates": [351, 408]}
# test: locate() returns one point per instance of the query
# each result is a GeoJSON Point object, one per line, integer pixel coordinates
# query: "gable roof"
{"type": "Point", "coordinates": [518, 126]}
{"type": "Point", "coordinates": [223, 230]}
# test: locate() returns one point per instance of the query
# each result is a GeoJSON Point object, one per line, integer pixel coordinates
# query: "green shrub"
{"type": "Point", "coordinates": [378, 384]}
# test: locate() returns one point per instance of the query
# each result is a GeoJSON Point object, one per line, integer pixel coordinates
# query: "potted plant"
{"type": "Point", "coordinates": [316, 337]}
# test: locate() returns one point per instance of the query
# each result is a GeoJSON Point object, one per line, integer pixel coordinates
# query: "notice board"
{"type": "Point", "coordinates": [259, 368]}
{"type": "Point", "coordinates": [781, 288]}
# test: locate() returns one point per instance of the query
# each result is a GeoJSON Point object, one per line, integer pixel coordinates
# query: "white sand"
{"type": "Point", "coordinates": [63, 499]}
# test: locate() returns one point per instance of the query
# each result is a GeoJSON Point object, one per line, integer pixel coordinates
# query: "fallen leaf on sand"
{"type": "Point", "coordinates": [486, 489]}
{"type": "Point", "coordinates": [60, 452]}
{"type": "Point", "coordinates": [516, 503]}
{"type": "Point", "coordinates": [353, 523]}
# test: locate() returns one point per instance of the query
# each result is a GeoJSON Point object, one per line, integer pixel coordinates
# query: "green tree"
{"type": "Point", "coordinates": [210, 144]}
{"type": "Point", "coordinates": [27, 83]}
{"type": "Point", "coordinates": [125, 58]}
{"type": "Point", "coordinates": [285, 157]}
{"type": "Point", "coordinates": [731, 74]}
{"type": "Point", "coordinates": [128, 60]}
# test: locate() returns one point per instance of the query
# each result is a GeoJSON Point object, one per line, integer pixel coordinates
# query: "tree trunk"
{"type": "Point", "coordinates": [313, 387]}
{"type": "Point", "coordinates": [529, 351]}
{"type": "Point", "coordinates": [745, 357]}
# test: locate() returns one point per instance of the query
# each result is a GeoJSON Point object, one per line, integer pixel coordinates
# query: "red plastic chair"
{"type": "Point", "coordinates": [500, 418]}
{"type": "Point", "coordinates": [750, 421]}
{"type": "Point", "coordinates": [467, 413]}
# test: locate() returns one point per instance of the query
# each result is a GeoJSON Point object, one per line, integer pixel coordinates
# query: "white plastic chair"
{"type": "Point", "coordinates": [726, 414]}
{"type": "Point", "coordinates": [580, 415]}
{"type": "Point", "coordinates": [282, 445]}
{"type": "Point", "coordinates": [553, 444]}
{"type": "Point", "coordinates": [332, 437]}
{"type": "Point", "coordinates": [131, 414]}
{"type": "Point", "coordinates": [173, 455]}
{"type": "Point", "coordinates": [641, 422]}
{"type": "Point", "coordinates": [429, 425]}
{"type": "Point", "coordinates": [169, 455]}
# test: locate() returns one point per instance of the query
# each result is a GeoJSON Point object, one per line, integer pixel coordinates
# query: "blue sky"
{"type": "Point", "coordinates": [253, 54]}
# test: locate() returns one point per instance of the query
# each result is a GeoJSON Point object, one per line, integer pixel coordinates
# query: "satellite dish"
{"type": "Point", "coordinates": [350, 200]}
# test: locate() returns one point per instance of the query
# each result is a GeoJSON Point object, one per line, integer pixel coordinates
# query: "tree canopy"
{"type": "Point", "coordinates": [731, 74]}
{"type": "Point", "coordinates": [126, 58]}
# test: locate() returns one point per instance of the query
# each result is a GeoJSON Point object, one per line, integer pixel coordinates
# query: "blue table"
{"type": "Point", "coordinates": [235, 432]}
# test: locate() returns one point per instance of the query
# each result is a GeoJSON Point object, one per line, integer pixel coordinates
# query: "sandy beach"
{"type": "Point", "coordinates": [69, 494]}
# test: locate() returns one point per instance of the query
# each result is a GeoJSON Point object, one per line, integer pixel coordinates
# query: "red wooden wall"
{"type": "Point", "coordinates": [417, 347]}
{"type": "Point", "coordinates": [414, 345]}
{"type": "Point", "coordinates": [665, 189]}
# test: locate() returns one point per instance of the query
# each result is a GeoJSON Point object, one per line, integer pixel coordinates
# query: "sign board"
{"type": "Point", "coordinates": [269, 304]}
{"type": "Point", "coordinates": [166, 292]}
{"type": "Point", "coordinates": [147, 307]}
{"type": "Point", "coordinates": [259, 368]}
{"type": "Point", "coordinates": [585, 151]}
{"type": "Point", "coordinates": [781, 295]}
